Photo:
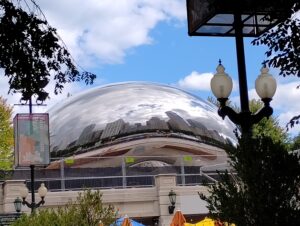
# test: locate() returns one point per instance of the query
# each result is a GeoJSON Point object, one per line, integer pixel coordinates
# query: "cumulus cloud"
{"type": "Point", "coordinates": [196, 81]}
{"type": "Point", "coordinates": [101, 32]}
{"type": "Point", "coordinates": [199, 81]}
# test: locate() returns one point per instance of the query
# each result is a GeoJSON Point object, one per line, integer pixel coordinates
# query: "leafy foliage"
{"type": "Point", "coordinates": [88, 210]}
{"type": "Point", "coordinates": [268, 126]}
{"type": "Point", "coordinates": [283, 44]}
{"type": "Point", "coordinates": [31, 52]}
{"type": "Point", "coordinates": [6, 136]}
{"type": "Point", "coordinates": [265, 190]}
{"type": "Point", "coordinates": [296, 143]}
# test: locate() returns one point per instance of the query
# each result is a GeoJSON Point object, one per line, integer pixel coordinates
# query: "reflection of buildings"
{"type": "Point", "coordinates": [136, 142]}
{"type": "Point", "coordinates": [154, 127]}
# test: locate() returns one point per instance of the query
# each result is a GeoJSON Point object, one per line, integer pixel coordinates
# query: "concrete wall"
{"type": "Point", "coordinates": [135, 202]}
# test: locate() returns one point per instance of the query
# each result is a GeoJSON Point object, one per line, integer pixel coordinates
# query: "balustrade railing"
{"type": "Point", "coordinates": [124, 172]}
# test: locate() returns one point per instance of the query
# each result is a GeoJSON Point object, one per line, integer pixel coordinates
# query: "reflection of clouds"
{"type": "Point", "coordinates": [134, 103]}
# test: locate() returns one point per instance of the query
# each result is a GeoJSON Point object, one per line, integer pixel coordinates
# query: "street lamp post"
{"type": "Point", "coordinates": [234, 18]}
{"type": "Point", "coordinates": [42, 191]}
{"type": "Point", "coordinates": [265, 85]}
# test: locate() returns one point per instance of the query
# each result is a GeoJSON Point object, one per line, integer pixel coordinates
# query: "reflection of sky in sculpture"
{"type": "Point", "coordinates": [134, 102]}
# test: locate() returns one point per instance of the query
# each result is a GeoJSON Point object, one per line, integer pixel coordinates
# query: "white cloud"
{"type": "Point", "coordinates": [196, 81]}
{"type": "Point", "coordinates": [99, 32]}
{"type": "Point", "coordinates": [199, 81]}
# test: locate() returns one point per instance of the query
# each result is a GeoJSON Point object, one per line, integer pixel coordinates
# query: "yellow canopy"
{"type": "Point", "coordinates": [207, 222]}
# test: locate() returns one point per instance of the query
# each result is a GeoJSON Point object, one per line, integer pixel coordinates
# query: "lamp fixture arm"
{"type": "Point", "coordinates": [33, 205]}
{"type": "Point", "coordinates": [24, 202]}
{"type": "Point", "coordinates": [245, 119]}
{"type": "Point", "coordinates": [266, 111]}
{"type": "Point", "coordinates": [224, 110]}
{"type": "Point", "coordinates": [230, 113]}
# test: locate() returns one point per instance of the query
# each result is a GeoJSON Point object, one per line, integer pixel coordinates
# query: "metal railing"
{"type": "Point", "coordinates": [122, 172]}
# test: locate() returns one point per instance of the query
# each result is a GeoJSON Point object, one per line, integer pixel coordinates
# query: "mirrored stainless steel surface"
{"type": "Point", "coordinates": [122, 109]}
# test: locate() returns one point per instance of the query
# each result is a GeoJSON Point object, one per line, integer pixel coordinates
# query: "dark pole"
{"type": "Point", "coordinates": [32, 189]}
{"type": "Point", "coordinates": [244, 101]}
{"type": "Point", "coordinates": [31, 167]}
{"type": "Point", "coordinates": [30, 105]}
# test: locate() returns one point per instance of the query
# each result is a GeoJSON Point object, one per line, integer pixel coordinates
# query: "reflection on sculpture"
{"type": "Point", "coordinates": [134, 110]}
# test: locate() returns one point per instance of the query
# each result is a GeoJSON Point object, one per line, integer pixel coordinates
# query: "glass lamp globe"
{"type": "Point", "coordinates": [18, 204]}
{"type": "Point", "coordinates": [24, 192]}
{"type": "Point", "coordinates": [265, 84]}
{"type": "Point", "coordinates": [42, 190]}
{"type": "Point", "coordinates": [221, 83]}
{"type": "Point", "coordinates": [172, 197]}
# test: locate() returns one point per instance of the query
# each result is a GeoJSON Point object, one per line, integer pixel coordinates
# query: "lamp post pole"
{"type": "Point", "coordinates": [238, 26]}
{"type": "Point", "coordinates": [221, 85]}
{"type": "Point", "coordinates": [240, 53]}
{"type": "Point", "coordinates": [236, 18]}
{"type": "Point", "coordinates": [31, 170]}
{"type": "Point", "coordinates": [33, 206]}
{"type": "Point", "coordinates": [42, 190]}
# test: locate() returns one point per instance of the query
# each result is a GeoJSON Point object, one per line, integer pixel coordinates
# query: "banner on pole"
{"type": "Point", "coordinates": [31, 139]}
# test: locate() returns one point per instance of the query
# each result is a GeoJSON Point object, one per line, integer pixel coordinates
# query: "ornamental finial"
{"type": "Point", "coordinates": [264, 69]}
{"type": "Point", "coordinates": [220, 69]}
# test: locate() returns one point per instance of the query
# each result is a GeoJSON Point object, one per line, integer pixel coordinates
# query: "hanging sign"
{"type": "Point", "coordinates": [187, 158]}
{"type": "Point", "coordinates": [31, 133]}
{"type": "Point", "coordinates": [129, 159]}
{"type": "Point", "coordinates": [69, 161]}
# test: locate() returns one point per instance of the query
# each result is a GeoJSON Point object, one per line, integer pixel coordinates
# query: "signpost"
{"type": "Point", "coordinates": [31, 140]}
{"type": "Point", "coordinates": [32, 146]}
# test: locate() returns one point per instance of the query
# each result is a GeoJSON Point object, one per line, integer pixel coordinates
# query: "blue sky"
{"type": "Point", "coordinates": [147, 40]}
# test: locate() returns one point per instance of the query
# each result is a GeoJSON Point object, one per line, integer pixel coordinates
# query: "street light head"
{"type": "Point", "coordinates": [42, 190]}
{"type": "Point", "coordinates": [24, 192]}
{"type": "Point", "coordinates": [265, 84]}
{"type": "Point", "coordinates": [172, 198]}
{"type": "Point", "coordinates": [18, 204]}
{"type": "Point", "coordinates": [221, 83]}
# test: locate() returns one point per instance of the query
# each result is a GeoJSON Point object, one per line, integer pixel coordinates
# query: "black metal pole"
{"type": "Point", "coordinates": [244, 101]}
{"type": "Point", "coordinates": [32, 189]}
{"type": "Point", "coordinates": [30, 105]}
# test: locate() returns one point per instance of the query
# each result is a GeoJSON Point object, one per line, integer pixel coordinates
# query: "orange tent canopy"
{"type": "Point", "coordinates": [126, 222]}
{"type": "Point", "coordinates": [178, 219]}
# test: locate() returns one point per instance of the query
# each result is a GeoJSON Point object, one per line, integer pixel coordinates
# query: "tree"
{"type": "Point", "coordinates": [31, 52]}
{"type": "Point", "coordinates": [296, 143]}
{"type": "Point", "coordinates": [283, 42]}
{"type": "Point", "coordinates": [268, 126]}
{"type": "Point", "coordinates": [265, 190]}
{"type": "Point", "coordinates": [6, 136]}
{"type": "Point", "coordinates": [88, 210]}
